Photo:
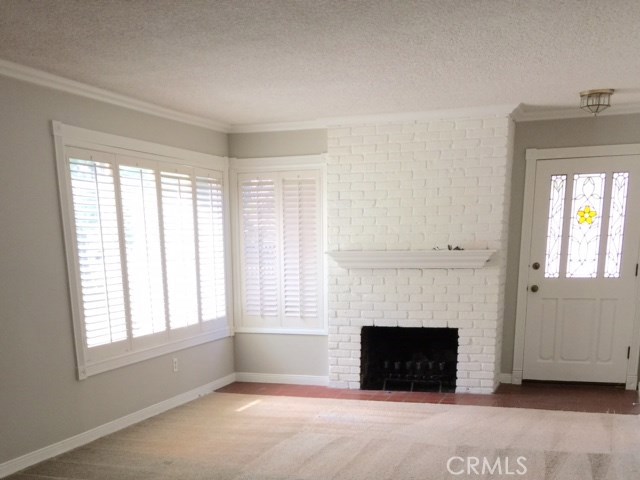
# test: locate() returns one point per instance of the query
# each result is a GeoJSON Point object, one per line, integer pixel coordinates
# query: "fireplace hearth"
{"type": "Point", "coordinates": [409, 359]}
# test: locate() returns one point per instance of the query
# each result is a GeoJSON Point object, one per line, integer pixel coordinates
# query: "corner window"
{"type": "Point", "coordinates": [146, 255]}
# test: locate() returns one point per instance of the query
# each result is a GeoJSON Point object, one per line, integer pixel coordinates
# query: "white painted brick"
{"type": "Point", "coordinates": [365, 321]}
{"type": "Point", "coordinates": [408, 187]}
{"type": "Point", "coordinates": [349, 362]}
{"type": "Point", "coordinates": [350, 330]}
{"type": "Point", "coordinates": [470, 349]}
{"type": "Point", "coordinates": [341, 353]}
{"type": "Point", "coordinates": [480, 358]}
{"type": "Point", "coordinates": [488, 341]}
{"type": "Point", "coordinates": [482, 375]}
{"type": "Point", "coordinates": [468, 382]}
{"type": "Point", "coordinates": [388, 128]}
{"type": "Point", "coordinates": [341, 369]}
{"type": "Point", "coordinates": [394, 315]}
{"type": "Point", "coordinates": [386, 322]}
{"type": "Point", "coordinates": [434, 323]}
{"type": "Point", "coordinates": [363, 149]}
{"type": "Point", "coordinates": [440, 126]}
{"type": "Point", "coordinates": [497, 122]}
{"type": "Point", "coordinates": [411, 323]}
{"type": "Point", "coordinates": [364, 130]}
{"type": "Point", "coordinates": [469, 124]}
{"type": "Point", "coordinates": [338, 132]}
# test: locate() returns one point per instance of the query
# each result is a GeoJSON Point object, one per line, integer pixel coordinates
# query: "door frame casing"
{"type": "Point", "coordinates": [532, 156]}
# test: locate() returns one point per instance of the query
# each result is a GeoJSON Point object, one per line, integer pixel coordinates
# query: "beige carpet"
{"type": "Point", "coordinates": [238, 437]}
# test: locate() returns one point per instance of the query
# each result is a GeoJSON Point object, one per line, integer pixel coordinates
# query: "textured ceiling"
{"type": "Point", "coordinates": [262, 61]}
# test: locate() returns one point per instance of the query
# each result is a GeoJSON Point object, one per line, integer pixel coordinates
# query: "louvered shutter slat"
{"type": "Point", "coordinates": [300, 246]}
{"type": "Point", "coordinates": [179, 248]}
{"type": "Point", "coordinates": [93, 198]}
{"type": "Point", "coordinates": [142, 243]}
{"type": "Point", "coordinates": [209, 198]}
{"type": "Point", "coordinates": [260, 236]}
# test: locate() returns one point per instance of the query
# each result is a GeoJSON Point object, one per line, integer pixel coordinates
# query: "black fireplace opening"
{"type": "Point", "coordinates": [409, 359]}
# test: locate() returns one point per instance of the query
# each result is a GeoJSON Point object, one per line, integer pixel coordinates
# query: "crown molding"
{"type": "Point", "coordinates": [526, 113]}
{"type": "Point", "coordinates": [44, 79]}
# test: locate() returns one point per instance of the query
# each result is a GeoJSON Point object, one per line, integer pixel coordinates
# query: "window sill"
{"type": "Point", "coordinates": [101, 366]}
{"type": "Point", "coordinates": [283, 331]}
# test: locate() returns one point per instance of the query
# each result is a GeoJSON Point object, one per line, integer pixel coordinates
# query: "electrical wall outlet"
{"type": "Point", "coordinates": [175, 364]}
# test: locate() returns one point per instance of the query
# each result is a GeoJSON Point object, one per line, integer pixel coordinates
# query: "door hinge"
{"type": "Point", "coordinates": [628, 352]}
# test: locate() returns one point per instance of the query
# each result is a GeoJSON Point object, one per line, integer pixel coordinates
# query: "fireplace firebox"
{"type": "Point", "coordinates": [409, 359]}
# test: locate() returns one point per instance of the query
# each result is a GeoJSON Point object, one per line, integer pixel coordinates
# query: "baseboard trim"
{"type": "Point", "coordinates": [505, 378]}
{"type": "Point", "coordinates": [37, 456]}
{"type": "Point", "coordinates": [282, 378]}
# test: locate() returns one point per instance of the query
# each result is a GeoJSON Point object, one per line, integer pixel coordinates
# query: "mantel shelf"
{"type": "Point", "coordinates": [412, 258]}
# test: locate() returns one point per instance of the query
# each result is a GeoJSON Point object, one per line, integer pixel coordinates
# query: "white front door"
{"type": "Point", "coordinates": [581, 289]}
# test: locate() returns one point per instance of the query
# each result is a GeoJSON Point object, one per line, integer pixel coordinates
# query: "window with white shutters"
{"type": "Point", "coordinates": [179, 248]}
{"type": "Point", "coordinates": [147, 260]}
{"type": "Point", "coordinates": [210, 225]}
{"type": "Point", "coordinates": [260, 248]}
{"type": "Point", "coordinates": [281, 260]}
{"type": "Point", "coordinates": [142, 246]}
{"type": "Point", "coordinates": [300, 250]}
{"type": "Point", "coordinates": [99, 260]}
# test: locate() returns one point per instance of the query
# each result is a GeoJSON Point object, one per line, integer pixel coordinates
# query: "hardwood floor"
{"type": "Point", "coordinates": [536, 395]}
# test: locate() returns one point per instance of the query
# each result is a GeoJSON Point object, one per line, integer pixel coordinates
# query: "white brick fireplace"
{"type": "Point", "coordinates": [411, 187]}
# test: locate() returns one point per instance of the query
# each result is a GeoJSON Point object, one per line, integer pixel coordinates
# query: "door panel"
{"type": "Point", "coordinates": [580, 314]}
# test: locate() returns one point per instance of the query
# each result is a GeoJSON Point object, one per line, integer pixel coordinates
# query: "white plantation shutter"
{"type": "Point", "coordinates": [301, 244]}
{"type": "Point", "coordinates": [260, 247]}
{"type": "Point", "coordinates": [138, 192]}
{"type": "Point", "coordinates": [179, 248]}
{"type": "Point", "coordinates": [280, 222]}
{"type": "Point", "coordinates": [146, 254]}
{"type": "Point", "coordinates": [98, 250]}
{"type": "Point", "coordinates": [210, 221]}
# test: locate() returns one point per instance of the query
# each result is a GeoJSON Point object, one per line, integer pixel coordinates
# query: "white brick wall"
{"type": "Point", "coordinates": [416, 186]}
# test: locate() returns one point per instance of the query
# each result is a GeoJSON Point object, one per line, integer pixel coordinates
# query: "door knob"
{"type": "Point", "coordinates": [535, 266]}
{"type": "Point", "coordinates": [534, 288]}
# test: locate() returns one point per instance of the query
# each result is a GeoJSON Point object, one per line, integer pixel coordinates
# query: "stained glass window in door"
{"type": "Point", "coordinates": [584, 233]}
{"type": "Point", "coordinates": [616, 224]}
{"type": "Point", "coordinates": [554, 229]}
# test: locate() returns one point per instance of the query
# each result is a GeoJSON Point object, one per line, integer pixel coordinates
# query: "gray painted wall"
{"type": "Point", "coordinates": [587, 131]}
{"type": "Point", "coordinates": [282, 354]}
{"type": "Point", "coordinates": [277, 144]}
{"type": "Point", "coordinates": [41, 400]}
{"type": "Point", "coordinates": [270, 353]}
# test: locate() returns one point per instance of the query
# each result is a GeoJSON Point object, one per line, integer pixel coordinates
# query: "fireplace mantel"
{"type": "Point", "coordinates": [412, 258]}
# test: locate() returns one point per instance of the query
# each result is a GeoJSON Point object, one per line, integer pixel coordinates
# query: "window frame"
{"type": "Point", "coordinates": [67, 138]}
{"type": "Point", "coordinates": [239, 167]}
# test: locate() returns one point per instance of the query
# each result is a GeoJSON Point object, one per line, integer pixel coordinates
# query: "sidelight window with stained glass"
{"type": "Point", "coordinates": [554, 229]}
{"type": "Point", "coordinates": [616, 224]}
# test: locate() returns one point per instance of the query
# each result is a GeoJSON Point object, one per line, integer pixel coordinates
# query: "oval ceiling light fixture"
{"type": "Point", "coordinates": [595, 101]}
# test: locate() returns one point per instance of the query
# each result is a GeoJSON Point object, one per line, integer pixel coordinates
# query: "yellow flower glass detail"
{"type": "Point", "coordinates": [587, 215]}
